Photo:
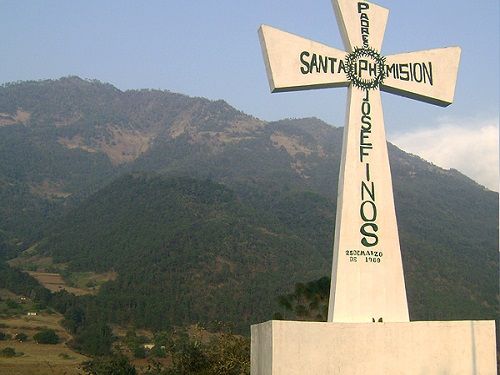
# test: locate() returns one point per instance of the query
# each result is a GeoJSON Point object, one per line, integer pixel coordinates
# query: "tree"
{"type": "Point", "coordinates": [112, 365]}
{"type": "Point", "coordinates": [308, 301]}
{"type": "Point", "coordinates": [221, 354]}
{"type": "Point", "coordinates": [229, 355]}
{"type": "Point", "coordinates": [46, 336]}
{"type": "Point", "coordinates": [74, 318]}
{"type": "Point", "coordinates": [188, 357]}
{"type": "Point", "coordinates": [95, 339]}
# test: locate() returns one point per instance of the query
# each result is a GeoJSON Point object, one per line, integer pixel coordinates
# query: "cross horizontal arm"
{"type": "Point", "coordinates": [295, 63]}
{"type": "Point", "coordinates": [429, 76]}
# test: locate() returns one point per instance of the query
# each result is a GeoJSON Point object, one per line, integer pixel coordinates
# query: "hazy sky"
{"type": "Point", "coordinates": [210, 48]}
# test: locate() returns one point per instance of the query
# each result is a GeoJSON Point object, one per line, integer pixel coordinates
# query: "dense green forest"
{"type": "Point", "coordinates": [190, 250]}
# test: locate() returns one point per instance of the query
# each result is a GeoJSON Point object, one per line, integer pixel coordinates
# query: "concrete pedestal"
{"type": "Point", "coordinates": [423, 348]}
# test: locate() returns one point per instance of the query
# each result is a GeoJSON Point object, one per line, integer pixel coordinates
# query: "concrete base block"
{"type": "Point", "coordinates": [420, 348]}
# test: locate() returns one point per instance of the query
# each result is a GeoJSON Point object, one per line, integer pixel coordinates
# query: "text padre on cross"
{"type": "Point", "coordinates": [367, 273]}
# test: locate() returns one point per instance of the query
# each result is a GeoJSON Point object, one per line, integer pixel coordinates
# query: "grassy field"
{"type": "Point", "coordinates": [36, 358]}
{"type": "Point", "coordinates": [40, 359]}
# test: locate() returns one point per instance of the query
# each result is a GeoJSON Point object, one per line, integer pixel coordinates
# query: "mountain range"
{"type": "Point", "coordinates": [206, 213]}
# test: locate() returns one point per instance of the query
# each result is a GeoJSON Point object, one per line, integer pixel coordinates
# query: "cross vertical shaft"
{"type": "Point", "coordinates": [367, 274]}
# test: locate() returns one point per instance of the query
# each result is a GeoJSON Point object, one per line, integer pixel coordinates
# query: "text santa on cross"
{"type": "Point", "coordinates": [367, 272]}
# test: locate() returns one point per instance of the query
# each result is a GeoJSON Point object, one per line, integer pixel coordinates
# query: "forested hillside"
{"type": "Point", "coordinates": [190, 250]}
{"type": "Point", "coordinates": [205, 213]}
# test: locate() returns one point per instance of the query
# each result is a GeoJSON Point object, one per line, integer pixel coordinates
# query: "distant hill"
{"type": "Point", "coordinates": [125, 180]}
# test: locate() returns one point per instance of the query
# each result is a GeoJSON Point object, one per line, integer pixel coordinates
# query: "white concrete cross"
{"type": "Point", "coordinates": [367, 274]}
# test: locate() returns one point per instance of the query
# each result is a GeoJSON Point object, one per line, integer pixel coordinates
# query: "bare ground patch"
{"type": "Point", "coordinates": [49, 189]}
{"type": "Point", "coordinates": [20, 116]}
{"type": "Point", "coordinates": [292, 145]}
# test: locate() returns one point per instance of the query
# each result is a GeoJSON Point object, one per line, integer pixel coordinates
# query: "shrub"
{"type": "Point", "coordinates": [64, 356]}
{"type": "Point", "coordinates": [8, 352]}
{"type": "Point", "coordinates": [46, 336]}
{"type": "Point", "coordinates": [223, 354]}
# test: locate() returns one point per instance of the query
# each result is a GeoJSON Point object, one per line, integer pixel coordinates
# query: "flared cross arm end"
{"type": "Point", "coordinates": [428, 76]}
{"type": "Point", "coordinates": [294, 63]}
